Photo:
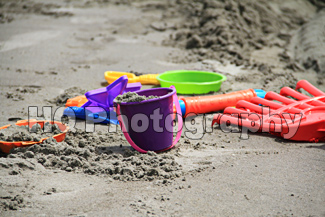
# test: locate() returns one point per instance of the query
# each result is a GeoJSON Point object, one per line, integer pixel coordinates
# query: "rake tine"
{"type": "Point", "coordinates": [274, 96]}
{"type": "Point", "coordinates": [287, 91]}
{"type": "Point", "coordinates": [272, 105]}
{"type": "Point", "coordinates": [232, 110]}
{"type": "Point", "coordinates": [248, 124]}
{"type": "Point", "coordinates": [253, 107]}
{"type": "Point", "coordinates": [241, 113]}
{"type": "Point", "coordinates": [217, 119]}
{"type": "Point", "coordinates": [317, 102]}
{"type": "Point", "coordinates": [251, 124]}
{"type": "Point", "coordinates": [309, 88]}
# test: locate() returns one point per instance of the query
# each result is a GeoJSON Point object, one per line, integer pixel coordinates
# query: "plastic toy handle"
{"type": "Point", "coordinates": [111, 76]}
{"type": "Point", "coordinates": [180, 121]}
{"type": "Point", "coordinates": [206, 104]}
{"type": "Point", "coordinates": [128, 138]}
{"type": "Point", "coordinates": [309, 88]}
{"type": "Point", "coordinates": [148, 79]}
{"type": "Point", "coordinates": [76, 101]}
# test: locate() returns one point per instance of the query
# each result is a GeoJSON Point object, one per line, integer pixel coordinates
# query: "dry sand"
{"type": "Point", "coordinates": [52, 51]}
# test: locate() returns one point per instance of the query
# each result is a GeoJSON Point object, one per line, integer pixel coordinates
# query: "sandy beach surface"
{"type": "Point", "coordinates": [53, 50]}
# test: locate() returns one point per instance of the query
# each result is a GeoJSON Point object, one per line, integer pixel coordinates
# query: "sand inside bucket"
{"type": "Point", "coordinates": [132, 97]}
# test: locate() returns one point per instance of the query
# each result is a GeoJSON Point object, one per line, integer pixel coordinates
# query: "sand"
{"type": "Point", "coordinates": [132, 97]}
{"type": "Point", "coordinates": [24, 133]}
{"type": "Point", "coordinates": [50, 51]}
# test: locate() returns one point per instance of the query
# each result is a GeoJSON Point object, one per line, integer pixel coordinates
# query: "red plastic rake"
{"type": "Point", "coordinates": [298, 118]}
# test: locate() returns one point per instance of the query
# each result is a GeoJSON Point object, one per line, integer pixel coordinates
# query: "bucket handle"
{"type": "Point", "coordinates": [179, 132]}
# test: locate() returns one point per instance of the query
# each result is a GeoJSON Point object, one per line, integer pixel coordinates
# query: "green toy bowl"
{"type": "Point", "coordinates": [192, 82]}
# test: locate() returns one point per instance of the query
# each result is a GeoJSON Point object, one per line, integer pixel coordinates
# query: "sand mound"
{"type": "Point", "coordinates": [232, 30]}
{"type": "Point", "coordinates": [82, 152]}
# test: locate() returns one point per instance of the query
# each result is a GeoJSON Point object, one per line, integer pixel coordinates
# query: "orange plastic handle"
{"type": "Point", "coordinates": [207, 104]}
{"type": "Point", "coordinates": [76, 101]}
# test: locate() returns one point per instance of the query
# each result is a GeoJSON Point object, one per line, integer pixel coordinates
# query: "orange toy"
{"type": "Point", "coordinates": [207, 104]}
{"type": "Point", "coordinates": [76, 101]}
{"type": "Point", "coordinates": [7, 146]}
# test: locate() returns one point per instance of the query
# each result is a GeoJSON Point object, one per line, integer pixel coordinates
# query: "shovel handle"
{"type": "Point", "coordinates": [148, 79]}
{"type": "Point", "coordinates": [206, 104]}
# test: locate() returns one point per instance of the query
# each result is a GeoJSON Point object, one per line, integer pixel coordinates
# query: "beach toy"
{"type": "Point", "coordinates": [79, 101]}
{"type": "Point", "coordinates": [302, 119]}
{"type": "Point", "coordinates": [103, 97]}
{"type": "Point", "coordinates": [99, 102]}
{"type": "Point", "coordinates": [192, 82]}
{"type": "Point", "coordinates": [7, 146]}
{"type": "Point", "coordinates": [111, 76]}
{"type": "Point", "coordinates": [207, 104]}
{"type": "Point", "coordinates": [157, 136]}
{"type": "Point", "coordinates": [76, 101]}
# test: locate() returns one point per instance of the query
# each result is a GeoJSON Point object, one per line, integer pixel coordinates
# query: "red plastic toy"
{"type": "Point", "coordinates": [7, 146]}
{"type": "Point", "coordinates": [206, 104]}
{"type": "Point", "coordinates": [302, 119]}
